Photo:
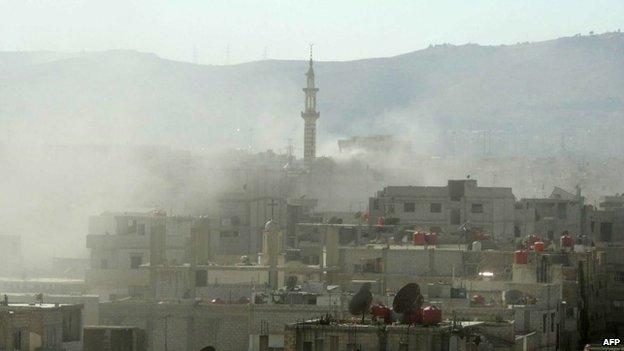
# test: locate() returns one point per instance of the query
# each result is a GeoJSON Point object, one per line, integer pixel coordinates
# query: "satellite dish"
{"type": "Point", "coordinates": [361, 302]}
{"type": "Point", "coordinates": [408, 299]}
{"type": "Point", "coordinates": [513, 297]}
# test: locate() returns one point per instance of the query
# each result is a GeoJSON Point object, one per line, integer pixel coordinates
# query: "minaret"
{"type": "Point", "coordinates": [309, 115]}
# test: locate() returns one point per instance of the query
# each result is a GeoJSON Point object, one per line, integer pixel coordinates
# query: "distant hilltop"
{"type": "Point", "coordinates": [562, 95]}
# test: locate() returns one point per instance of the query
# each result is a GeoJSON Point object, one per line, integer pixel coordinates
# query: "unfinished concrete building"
{"type": "Point", "coordinates": [558, 213]}
{"type": "Point", "coordinates": [40, 326]}
{"type": "Point", "coordinates": [450, 209]}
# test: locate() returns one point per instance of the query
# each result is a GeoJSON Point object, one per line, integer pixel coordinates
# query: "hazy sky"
{"type": "Point", "coordinates": [340, 30]}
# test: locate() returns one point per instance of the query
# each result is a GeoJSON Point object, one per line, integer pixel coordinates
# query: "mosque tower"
{"type": "Point", "coordinates": [309, 115]}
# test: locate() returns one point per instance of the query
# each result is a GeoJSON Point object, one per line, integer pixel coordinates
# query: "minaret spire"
{"type": "Point", "coordinates": [310, 115]}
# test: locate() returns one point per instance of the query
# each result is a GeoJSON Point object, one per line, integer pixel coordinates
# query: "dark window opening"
{"type": "Point", "coordinates": [562, 211]}
{"type": "Point", "coordinates": [606, 230]}
{"type": "Point", "coordinates": [375, 204]}
{"type": "Point", "coordinates": [435, 208]}
{"type": "Point", "coordinates": [201, 278]}
{"type": "Point", "coordinates": [307, 346]}
{"type": "Point", "coordinates": [228, 233]}
{"type": "Point", "coordinates": [17, 340]}
{"type": "Point", "coordinates": [476, 208]}
{"type": "Point", "coordinates": [455, 216]}
{"type": "Point", "coordinates": [135, 262]}
{"type": "Point", "coordinates": [409, 207]}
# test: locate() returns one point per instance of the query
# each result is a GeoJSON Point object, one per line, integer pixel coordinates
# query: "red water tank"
{"type": "Point", "coordinates": [381, 220]}
{"type": "Point", "coordinates": [431, 238]}
{"type": "Point", "coordinates": [521, 257]}
{"type": "Point", "coordinates": [418, 238]}
{"type": "Point", "coordinates": [567, 241]}
{"type": "Point", "coordinates": [478, 300]}
{"type": "Point", "coordinates": [382, 312]}
{"type": "Point", "coordinates": [432, 315]}
{"type": "Point", "coordinates": [539, 246]}
{"type": "Point", "coordinates": [416, 317]}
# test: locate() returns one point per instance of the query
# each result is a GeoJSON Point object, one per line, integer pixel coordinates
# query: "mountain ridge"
{"type": "Point", "coordinates": [561, 84]}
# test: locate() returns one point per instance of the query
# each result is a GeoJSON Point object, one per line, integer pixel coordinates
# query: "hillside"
{"type": "Point", "coordinates": [564, 91]}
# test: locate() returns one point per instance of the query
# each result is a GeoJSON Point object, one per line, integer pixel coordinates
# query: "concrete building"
{"type": "Point", "coordinates": [560, 212]}
{"type": "Point", "coordinates": [107, 338]}
{"type": "Point", "coordinates": [89, 303]}
{"type": "Point", "coordinates": [120, 244]}
{"type": "Point", "coordinates": [346, 335]}
{"type": "Point", "coordinates": [604, 226]}
{"type": "Point", "coordinates": [450, 209]}
{"type": "Point", "coordinates": [609, 287]}
{"type": "Point", "coordinates": [191, 325]}
{"type": "Point", "coordinates": [40, 327]}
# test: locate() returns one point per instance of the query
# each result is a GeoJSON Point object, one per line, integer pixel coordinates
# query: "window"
{"type": "Point", "coordinates": [409, 207]}
{"type": "Point", "coordinates": [476, 208]}
{"type": "Point", "coordinates": [517, 231]}
{"type": "Point", "coordinates": [333, 343]}
{"type": "Point", "coordinates": [562, 210]}
{"type": "Point", "coordinates": [17, 340]}
{"type": "Point", "coordinates": [132, 226]}
{"type": "Point", "coordinates": [141, 229]}
{"type": "Point", "coordinates": [375, 204]}
{"type": "Point", "coordinates": [455, 216]}
{"type": "Point", "coordinates": [135, 261]}
{"type": "Point", "coordinates": [435, 208]}
{"type": "Point", "coordinates": [307, 346]}
{"type": "Point", "coordinates": [544, 320]}
{"type": "Point", "coordinates": [71, 325]}
{"type": "Point", "coordinates": [552, 322]}
{"type": "Point", "coordinates": [201, 278]}
{"type": "Point", "coordinates": [228, 233]}
{"type": "Point", "coordinates": [389, 208]}
{"type": "Point", "coordinates": [606, 229]}
{"type": "Point", "coordinates": [235, 221]}
{"type": "Point", "coordinates": [619, 276]}
{"type": "Point", "coordinates": [318, 345]}
{"type": "Point", "coordinates": [569, 312]}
